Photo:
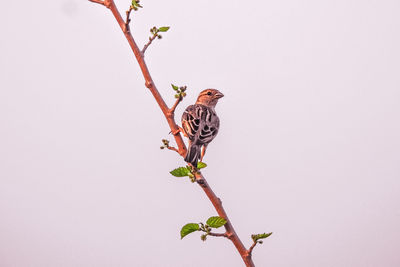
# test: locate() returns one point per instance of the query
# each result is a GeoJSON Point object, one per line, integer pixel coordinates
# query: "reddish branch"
{"type": "Point", "coordinates": [250, 250]}
{"type": "Point", "coordinates": [128, 19]}
{"type": "Point", "coordinates": [173, 149]}
{"type": "Point", "coordinates": [230, 231]}
{"type": "Point", "coordinates": [218, 234]}
{"type": "Point", "coordinates": [170, 116]}
{"type": "Point", "coordinates": [179, 99]}
{"type": "Point", "coordinates": [151, 39]}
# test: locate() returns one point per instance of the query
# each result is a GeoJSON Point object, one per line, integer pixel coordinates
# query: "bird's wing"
{"type": "Point", "coordinates": [191, 121]}
{"type": "Point", "coordinates": [200, 124]}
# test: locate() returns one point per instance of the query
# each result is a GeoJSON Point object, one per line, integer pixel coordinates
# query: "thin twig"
{"type": "Point", "coordinates": [178, 100]}
{"type": "Point", "coordinates": [128, 20]}
{"type": "Point", "coordinates": [173, 149]}
{"type": "Point", "coordinates": [218, 234]}
{"type": "Point", "coordinates": [151, 39]}
{"type": "Point", "coordinates": [251, 248]}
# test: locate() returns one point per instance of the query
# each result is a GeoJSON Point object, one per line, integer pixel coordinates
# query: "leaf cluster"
{"type": "Point", "coordinates": [187, 171]}
{"type": "Point", "coordinates": [212, 222]}
{"type": "Point", "coordinates": [180, 91]}
{"type": "Point", "coordinates": [135, 5]}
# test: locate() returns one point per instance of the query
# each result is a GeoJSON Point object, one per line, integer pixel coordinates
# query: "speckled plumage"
{"type": "Point", "coordinates": [201, 124]}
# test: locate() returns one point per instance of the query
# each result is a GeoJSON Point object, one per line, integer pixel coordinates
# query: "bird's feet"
{"type": "Point", "coordinates": [179, 130]}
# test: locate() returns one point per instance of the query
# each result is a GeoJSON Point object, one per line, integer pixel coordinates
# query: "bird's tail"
{"type": "Point", "coordinates": [193, 154]}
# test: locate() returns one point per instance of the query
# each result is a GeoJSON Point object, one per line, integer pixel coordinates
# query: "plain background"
{"type": "Point", "coordinates": [308, 148]}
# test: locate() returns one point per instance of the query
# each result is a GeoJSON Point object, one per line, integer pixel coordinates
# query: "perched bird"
{"type": "Point", "coordinates": [200, 124]}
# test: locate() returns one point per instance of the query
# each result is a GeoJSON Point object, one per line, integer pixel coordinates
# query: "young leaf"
{"type": "Point", "coordinates": [260, 236]}
{"type": "Point", "coordinates": [201, 165]}
{"type": "Point", "coordinates": [174, 87]}
{"type": "Point", "coordinates": [163, 29]}
{"type": "Point", "coordinates": [135, 4]}
{"type": "Point", "coordinates": [216, 221]}
{"type": "Point", "coordinates": [189, 228]}
{"type": "Point", "coordinates": [180, 172]}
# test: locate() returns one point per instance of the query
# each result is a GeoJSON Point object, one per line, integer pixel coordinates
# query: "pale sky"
{"type": "Point", "coordinates": [308, 148]}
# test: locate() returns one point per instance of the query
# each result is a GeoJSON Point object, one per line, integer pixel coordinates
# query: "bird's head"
{"type": "Point", "coordinates": [209, 97]}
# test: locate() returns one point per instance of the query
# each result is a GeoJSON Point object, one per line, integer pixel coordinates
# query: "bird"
{"type": "Point", "coordinates": [200, 124]}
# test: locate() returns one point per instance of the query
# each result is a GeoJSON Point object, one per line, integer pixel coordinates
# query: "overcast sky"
{"type": "Point", "coordinates": [308, 148]}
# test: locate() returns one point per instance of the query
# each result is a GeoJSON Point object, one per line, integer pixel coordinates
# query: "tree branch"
{"type": "Point", "coordinates": [169, 115]}
{"type": "Point", "coordinates": [98, 2]}
{"type": "Point", "coordinates": [151, 39]}
{"type": "Point", "coordinates": [146, 74]}
{"type": "Point", "coordinates": [218, 234]}
{"type": "Point", "coordinates": [230, 231]}
{"type": "Point", "coordinates": [250, 250]}
{"type": "Point", "coordinates": [128, 20]}
{"type": "Point", "coordinates": [178, 100]}
{"type": "Point", "coordinates": [173, 149]}
{"type": "Point", "coordinates": [105, 3]}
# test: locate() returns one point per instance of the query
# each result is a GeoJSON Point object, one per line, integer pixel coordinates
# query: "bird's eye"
{"type": "Point", "coordinates": [208, 93]}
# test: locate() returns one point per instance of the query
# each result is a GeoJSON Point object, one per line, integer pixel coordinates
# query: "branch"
{"type": "Point", "coordinates": [151, 39]}
{"type": "Point", "coordinates": [230, 231]}
{"type": "Point", "coordinates": [105, 3]}
{"type": "Point", "coordinates": [166, 145]}
{"type": "Point", "coordinates": [173, 149]}
{"type": "Point", "coordinates": [178, 100]}
{"type": "Point", "coordinates": [218, 234]}
{"type": "Point", "coordinates": [251, 248]}
{"type": "Point", "coordinates": [128, 20]}
{"type": "Point", "coordinates": [146, 74]}
{"type": "Point", "coordinates": [98, 2]}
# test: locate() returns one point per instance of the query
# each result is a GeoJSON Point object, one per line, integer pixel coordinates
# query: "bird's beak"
{"type": "Point", "coordinates": [219, 95]}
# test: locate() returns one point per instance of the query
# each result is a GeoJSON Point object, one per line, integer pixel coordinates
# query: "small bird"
{"type": "Point", "coordinates": [201, 124]}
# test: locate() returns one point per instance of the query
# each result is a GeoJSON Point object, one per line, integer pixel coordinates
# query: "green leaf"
{"type": "Point", "coordinates": [174, 87]}
{"type": "Point", "coordinates": [216, 221]}
{"type": "Point", "coordinates": [201, 165]}
{"type": "Point", "coordinates": [189, 228]}
{"type": "Point", "coordinates": [163, 29]}
{"type": "Point", "coordinates": [135, 4]}
{"type": "Point", "coordinates": [260, 236]}
{"type": "Point", "coordinates": [180, 172]}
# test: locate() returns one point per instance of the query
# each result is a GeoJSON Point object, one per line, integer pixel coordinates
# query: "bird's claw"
{"type": "Point", "coordinates": [179, 130]}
